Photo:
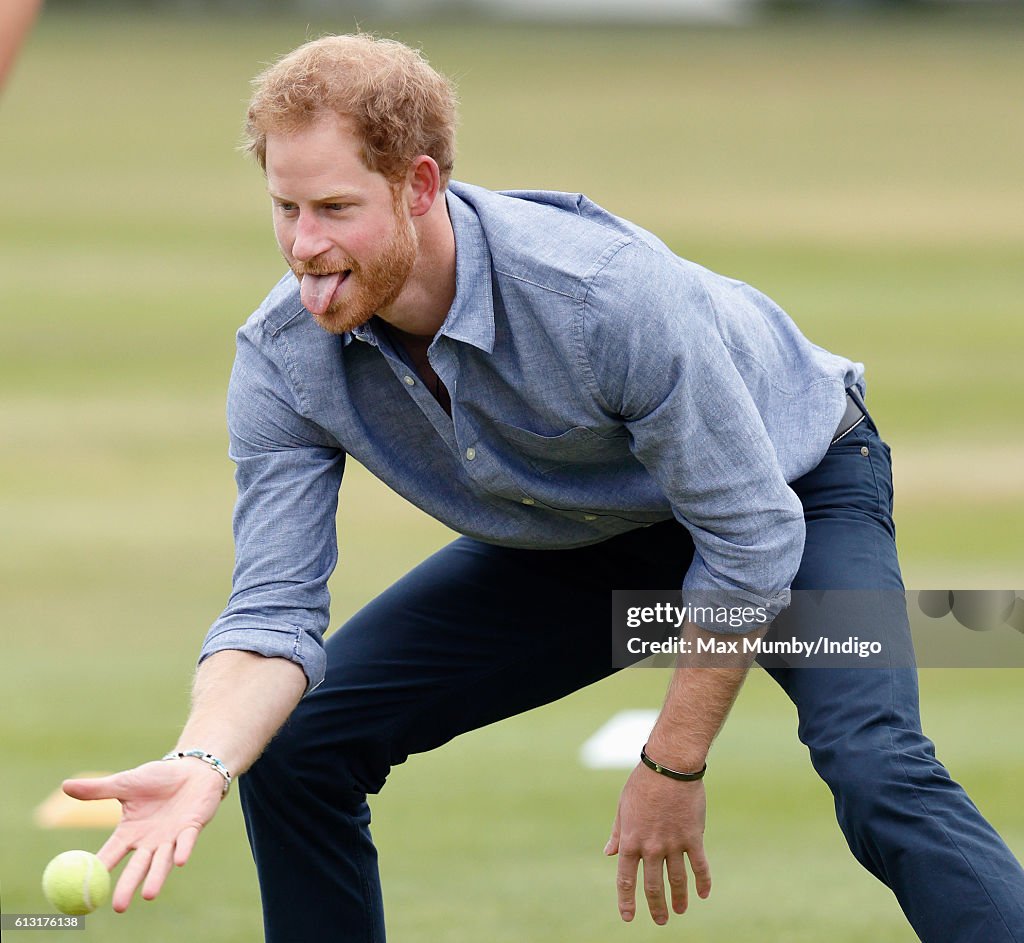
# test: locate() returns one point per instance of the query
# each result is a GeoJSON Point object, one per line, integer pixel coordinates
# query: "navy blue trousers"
{"type": "Point", "coordinates": [477, 633]}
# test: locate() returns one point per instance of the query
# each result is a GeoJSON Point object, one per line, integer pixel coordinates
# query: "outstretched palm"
{"type": "Point", "coordinates": [164, 807]}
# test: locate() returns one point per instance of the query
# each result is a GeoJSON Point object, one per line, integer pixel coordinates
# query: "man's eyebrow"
{"type": "Point", "coordinates": [339, 196]}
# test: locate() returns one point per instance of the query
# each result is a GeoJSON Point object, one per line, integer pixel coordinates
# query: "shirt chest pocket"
{"type": "Point", "coordinates": [576, 446]}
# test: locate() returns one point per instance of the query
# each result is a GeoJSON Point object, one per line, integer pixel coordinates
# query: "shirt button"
{"type": "Point", "coordinates": [409, 381]}
{"type": "Point", "coordinates": [529, 501]}
{"type": "Point", "coordinates": [470, 454]}
{"type": "Point", "coordinates": [590, 517]}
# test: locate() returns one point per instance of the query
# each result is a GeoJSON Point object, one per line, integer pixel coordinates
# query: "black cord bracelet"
{"type": "Point", "coordinates": [671, 773]}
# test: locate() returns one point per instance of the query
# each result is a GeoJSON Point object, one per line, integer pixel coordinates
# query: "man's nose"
{"type": "Point", "coordinates": [310, 238]}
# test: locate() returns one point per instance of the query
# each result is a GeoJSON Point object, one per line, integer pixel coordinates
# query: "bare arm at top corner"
{"type": "Point", "coordinates": [16, 18]}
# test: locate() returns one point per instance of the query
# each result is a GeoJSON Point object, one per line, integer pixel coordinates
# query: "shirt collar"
{"type": "Point", "coordinates": [471, 316]}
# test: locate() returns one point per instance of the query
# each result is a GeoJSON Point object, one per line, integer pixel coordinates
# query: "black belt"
{"type": "Point", "coordinates": [855, 414]}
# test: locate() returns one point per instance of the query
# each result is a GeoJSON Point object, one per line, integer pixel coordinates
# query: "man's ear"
{"type": "Point", "coordinates": [423, 184]}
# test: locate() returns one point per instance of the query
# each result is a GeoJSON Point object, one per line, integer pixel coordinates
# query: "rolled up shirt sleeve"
{"type": "Point", "coordinates": [288, 473]}
{"type": "Point", "coordinates": [654, 353]}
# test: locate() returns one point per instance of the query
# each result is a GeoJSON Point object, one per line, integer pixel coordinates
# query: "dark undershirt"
{"type": "Point", "coordinates": [413, 350]}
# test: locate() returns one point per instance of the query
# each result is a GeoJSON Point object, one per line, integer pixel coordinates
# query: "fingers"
{"type": "Point", "coordinates": [625, 885]}
{"type": "Point", "coordinates": [159, 868]}
{"type": "Point", "coordinates": [654, 889]}
{"type": "Point", "coordinates": [183, 847]}
{"type": "Point", "coordinates": [103, 787]}
{"type": "Point", "coordinates": [113, 850]}
{"type": "Point", "coordinates": [148, 867]}
{"type": "Point", "coordinates": [612, 848]}
{"type": "Point", "coordinates": [701, 871]}
{"type": "Point", "coordinates": [654, 867]}
{"type": "Point", "coordinates": [131, 878]}
{"type": "Point", "coordinates": [675, 865]}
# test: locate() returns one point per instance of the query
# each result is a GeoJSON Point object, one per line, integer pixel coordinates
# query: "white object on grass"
{"type": "Point", "coordinates": [617, 744]}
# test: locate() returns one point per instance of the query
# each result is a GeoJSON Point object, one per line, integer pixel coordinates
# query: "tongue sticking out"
{"type": "Point", "coordinates": [318, 290]}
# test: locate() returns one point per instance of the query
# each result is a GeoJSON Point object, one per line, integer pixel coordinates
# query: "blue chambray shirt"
{"type": "Point", "coordinates": [599, 383]}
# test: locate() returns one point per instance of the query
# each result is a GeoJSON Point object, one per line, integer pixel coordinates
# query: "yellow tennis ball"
{"type": "Point", "coordinates": [76, 882]}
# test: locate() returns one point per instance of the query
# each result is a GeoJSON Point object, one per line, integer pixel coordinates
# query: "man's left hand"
{"type": "Point", "coordinates": [660, 822]}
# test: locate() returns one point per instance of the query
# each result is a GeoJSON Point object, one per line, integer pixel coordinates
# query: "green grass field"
{"type": "Point", "coordinates": [866, 175]}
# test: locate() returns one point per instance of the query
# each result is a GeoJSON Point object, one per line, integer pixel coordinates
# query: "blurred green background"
{"type": "Point", "coordinates": [863, 172]}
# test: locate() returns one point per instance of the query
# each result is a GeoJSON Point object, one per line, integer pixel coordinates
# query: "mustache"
{"type": "Point", "coordinates": [324, 267]}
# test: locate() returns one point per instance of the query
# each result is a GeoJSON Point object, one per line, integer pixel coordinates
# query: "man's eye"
{"type": "Point", "coordinates": [335, 207]}
{"type": "Point", "coordinates": [285, 207]}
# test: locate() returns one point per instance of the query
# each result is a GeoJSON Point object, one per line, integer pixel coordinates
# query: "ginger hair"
{"type": "Point", "coordinates": [400, 106]}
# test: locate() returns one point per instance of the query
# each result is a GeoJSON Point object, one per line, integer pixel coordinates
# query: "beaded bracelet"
{"type": "Point", "coordinates": [208, 758]}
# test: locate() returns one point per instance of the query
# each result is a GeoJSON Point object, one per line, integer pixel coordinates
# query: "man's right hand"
{"type": "Point", "coordinates": [239, 701]}
{"type": "Point", "coordinates": [164, 807]}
